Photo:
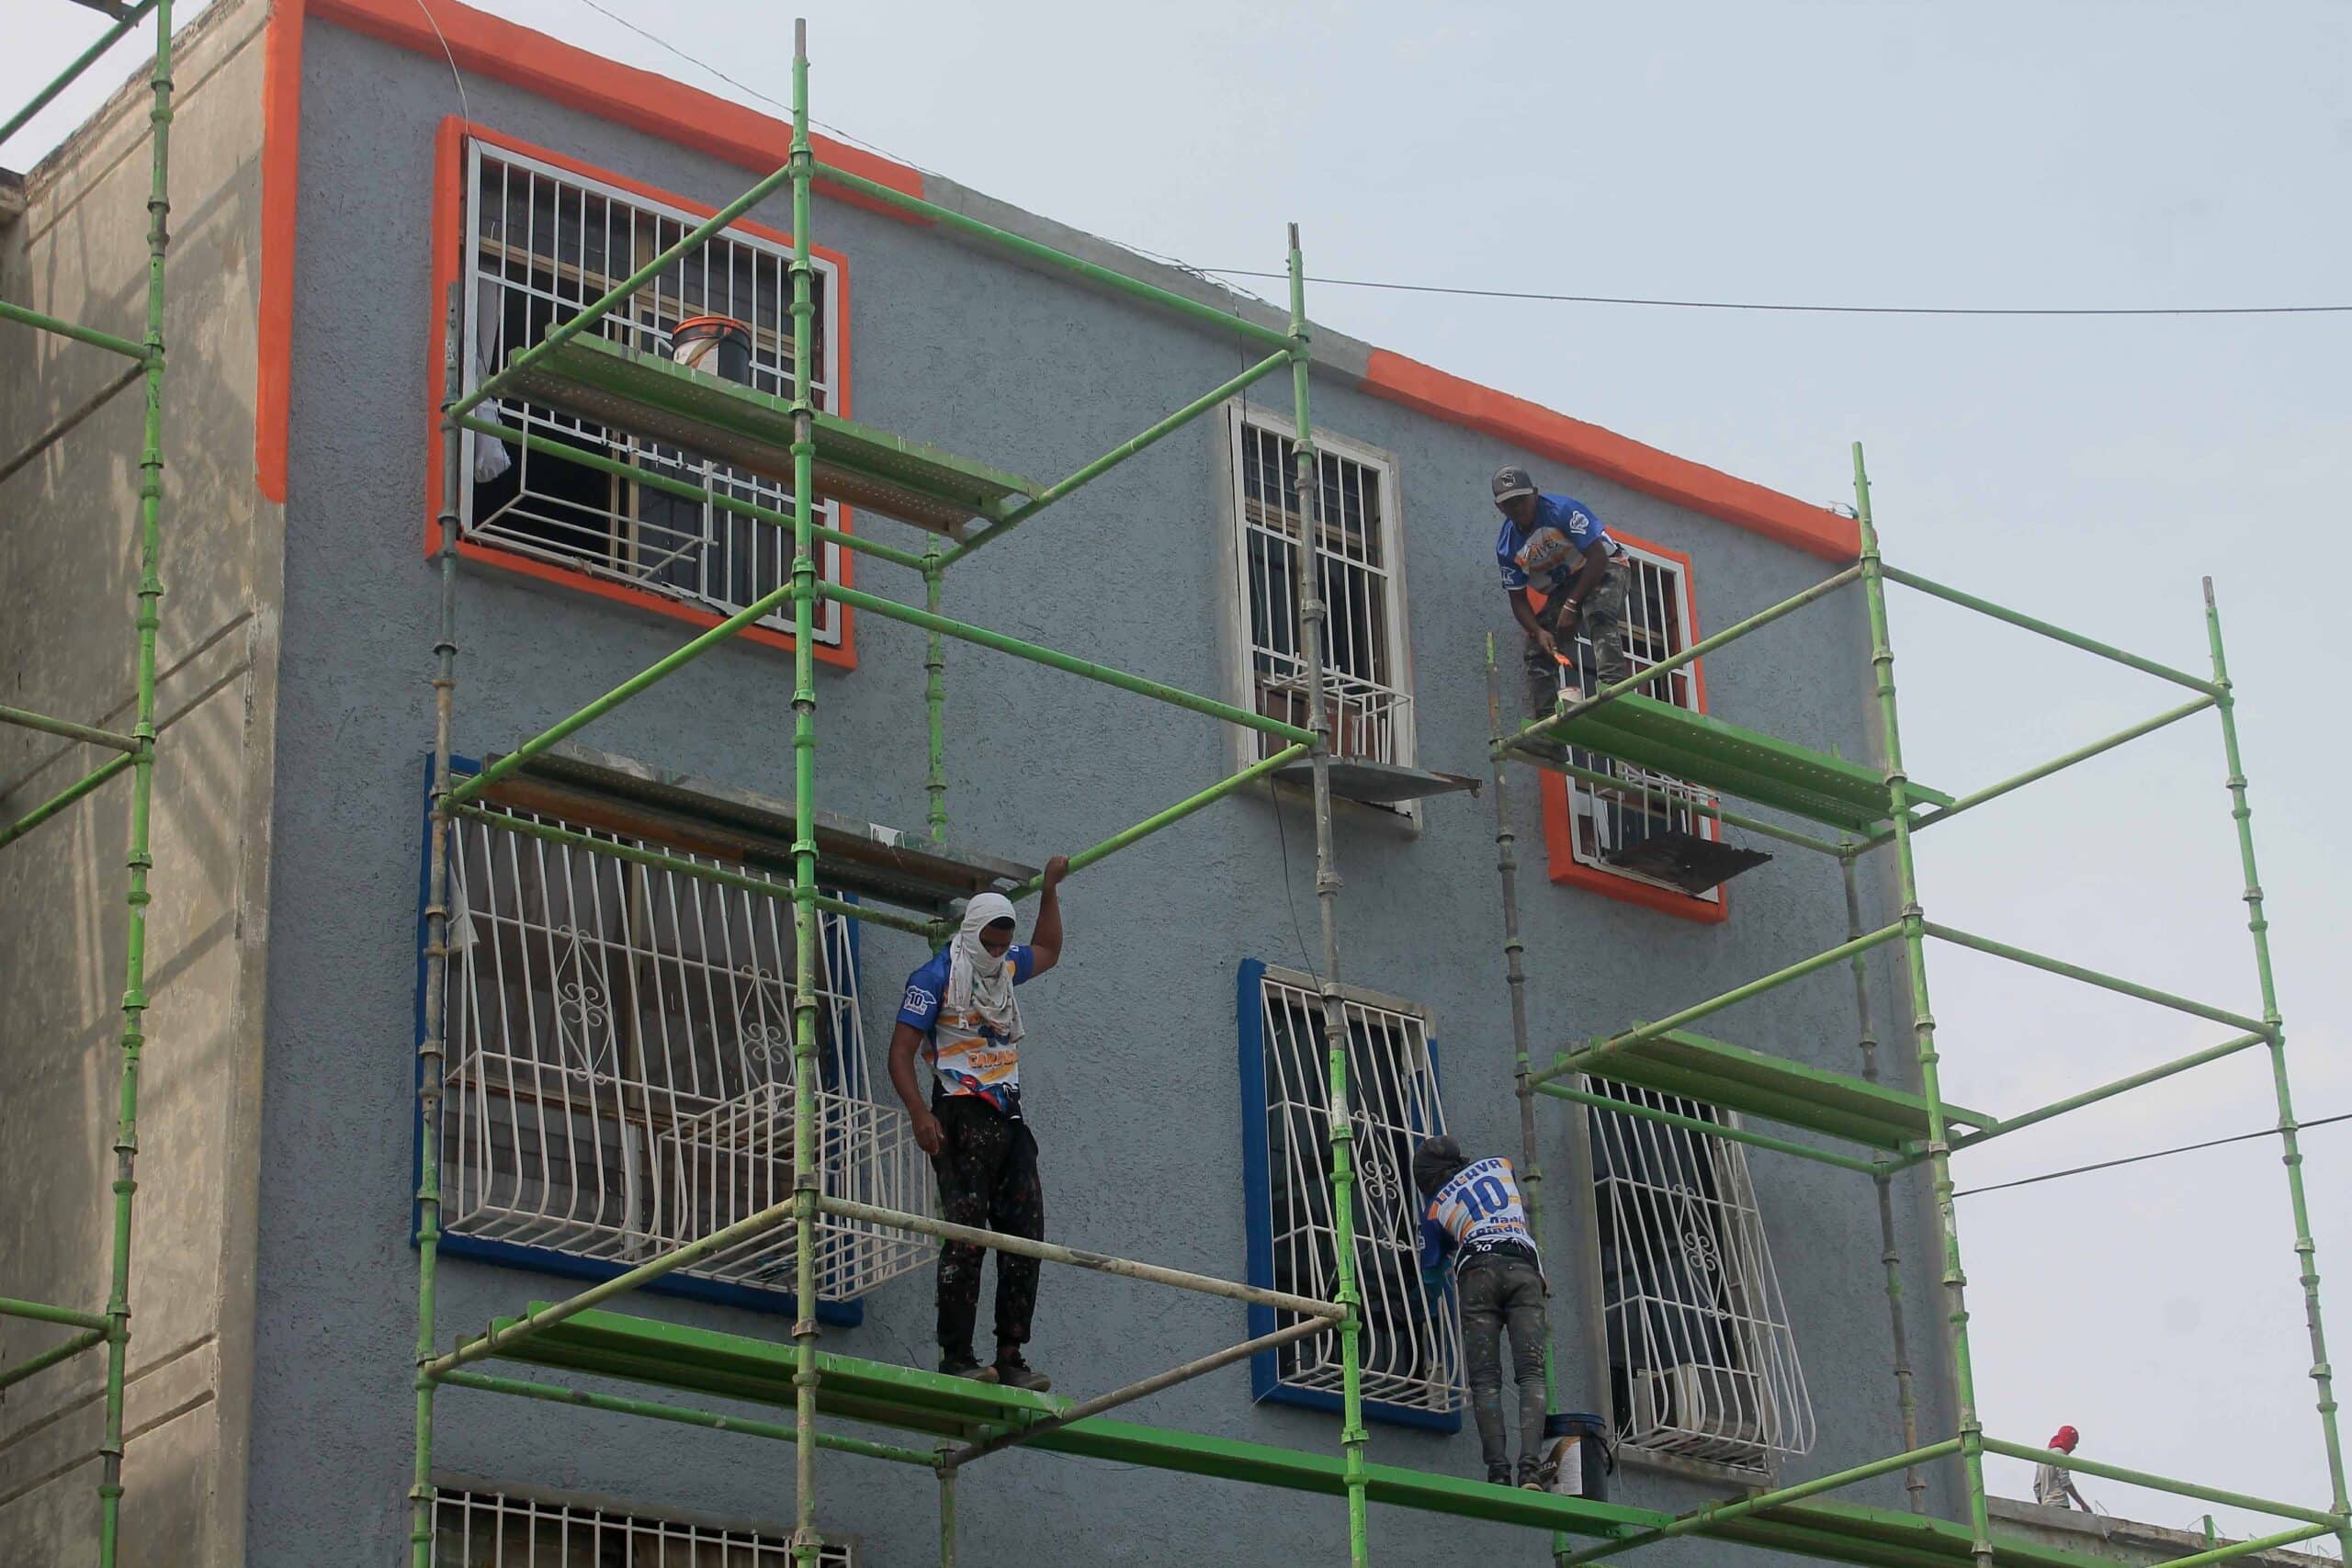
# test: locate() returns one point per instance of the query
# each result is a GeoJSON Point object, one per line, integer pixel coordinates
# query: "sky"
{"type": "Point", "coordinates": [2087, 471]}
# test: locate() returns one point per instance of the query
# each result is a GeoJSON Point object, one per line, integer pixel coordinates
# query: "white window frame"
{"type": "Point", "coordinates": [1596, 823]}
{"type": "Point", "coordinates": [1386, 713]}
{"type": "Point", "coordinates": [495, 1524]}
{"type": "Point", "coordinates": [620, 1070]}
{"type": "Point", "coordinates": [1392, 1057]}
{"type": "Point", "coordinates": [626, 556]}
{"type": "Point", "coordinates": [1702, 1359]}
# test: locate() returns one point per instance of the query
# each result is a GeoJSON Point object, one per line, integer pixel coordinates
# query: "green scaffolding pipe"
{"type": "Point", "coordinates": [1923, 1025]}
{"type": "Point", "coordinates": [964, 631]}
{"type": "Point", "coordinates": [684, 491]}
{"type": "Point", "coordinates": [26, 719]}
{"type": "Point", "coordinates": [2247, 1548]}
{"type": "Point", "coordinates": [2158, 1483]}
{"type": "Point", "coordinates": [60, 801]}
{"type": "Point", "coordinates": [1174, 815]}
{"type": "Point", "coordinates": [2056, 765]}
{"type": "Point", "coordinates": [1579, 1061]}
{"type": "Point", "coordinates": [1738, 1508]}
{"type": "Point", "coordinates": [2109, 1090]}
{"type": "Point", "coordinates": [74, 329]}
{"type": "Point", "coordinates": [2257, 925]}
{"type": "Point", "coordinates": [107, 40]}
{"type": "Point", "coordinates": [655, 860]}
{"type": "Point", "coordinates": [948, 218]}
{"type": "Point", "coordinates": [48, 1358]}
{"type": "Point", "coordinates": [1683, 803]}
{"type": "Point", "coordinates": [2093, 977]}
{"type": "Point", "coordinates": [523, 1388]}
{"type": "Point", "coordinates": [946, 1510]}
{"type": "Point", "coordinates": [41, 1312]}
{"type": "Point", "coordinates": [935, 699]}
{"type": "Point", "coordinates": [1710, 1129]}
{"type": "Point", "coordinates": [2056, 634]}
{"type": "Point", "coordinates": [1120, 453]}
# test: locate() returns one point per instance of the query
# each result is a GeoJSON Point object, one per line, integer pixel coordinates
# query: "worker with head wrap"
{"type": "Point", "coordinates": [2054, 1484]}
{"type": "Point", "coordinates": [960, 1013]}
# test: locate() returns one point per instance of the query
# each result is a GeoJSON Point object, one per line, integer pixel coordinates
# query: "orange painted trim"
{"type": "Point", "coordinates": [483, 45]}
{"type": "Point", "coordinates": [281, 172]}
{"type": "Point", "coordinates": [1559, 826]}
{"type": "Point", "coordinates": [1785, 519]}
{"type": "Point", "coordinates": [447, 241]}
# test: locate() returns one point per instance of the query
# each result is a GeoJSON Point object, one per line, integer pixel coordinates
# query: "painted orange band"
{"type": "Point", "coordinates": [281, 132]}
{"type": "Point", "coordinates": [1532, 427]}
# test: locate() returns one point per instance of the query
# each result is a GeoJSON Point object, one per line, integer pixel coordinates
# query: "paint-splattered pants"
{"type": "Point", "coordinates": [1496, 1296]}
{"type": "Point", "coordinates": [987, 1177]}
{"type": "Point", "coordinates": [1602, 619]}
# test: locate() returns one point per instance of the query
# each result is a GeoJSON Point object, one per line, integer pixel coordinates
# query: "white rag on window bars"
{"type": "Point", "coordinates": [491, 456]}
{"type": "Point", "coordinates": [977, 979]}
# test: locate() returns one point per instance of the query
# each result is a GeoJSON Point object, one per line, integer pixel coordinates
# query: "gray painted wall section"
{"type": "Point", "coordinates": [1132, 1056]}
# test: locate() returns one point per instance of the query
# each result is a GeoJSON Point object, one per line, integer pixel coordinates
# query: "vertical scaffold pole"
{"type": "Point", "coordinates": [138, 858]}
{"type": "Point", "coordinates": [1530, 1170]}
{"type": "Point", "coordinates": [934, 698]}
{"type": "Point", "coordinates": [946, 1510]}
{"type": "Point", "coordinates": [1923, 1026]}
{"type": "Point", "coordinates": [805, 1542]}
{"type": "Point", "coordinates": [431, 1049]}
{"type": "Point", "coordinates": [2290, 1152]}
{"type": "Point", "coordinates": [1907, 1401]}
{"type": "Point", "coordinates": [1312, 612]}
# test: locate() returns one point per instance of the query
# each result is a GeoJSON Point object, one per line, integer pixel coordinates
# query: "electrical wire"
{"type": "Point", "coordinates": [2157, 1154]}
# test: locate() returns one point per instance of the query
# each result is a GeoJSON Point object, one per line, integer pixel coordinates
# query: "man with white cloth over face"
{"type": "Point", "coordinates": [961, 1014]}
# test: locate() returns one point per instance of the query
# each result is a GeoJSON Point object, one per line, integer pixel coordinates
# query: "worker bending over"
{"type": "Point", "coordinates": [1553, 546]}
{"type": "Point", "coordinates": [1474, 1214]}
{"type": "Point", "coordinates": [2054, 1484]}
{"type": "Point", "coordinates": [960, 1012]}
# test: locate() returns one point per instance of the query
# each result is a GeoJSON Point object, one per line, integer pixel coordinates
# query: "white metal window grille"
{"type": "Point", "coordinates": [1411, 1350]}
{"type": "Point", "coordinates": [1605, 821]}
{"type": "Point", "coordinates": [1360, 553]}
{"type": "Point", "coordinates": [1702, 1360]}
{"type": "Point", "coordinates": [621, 1073]}
{"type": "Point", "coordinates": [545, 244]}
{"type": "Point", "coordinates": [474, 1528]}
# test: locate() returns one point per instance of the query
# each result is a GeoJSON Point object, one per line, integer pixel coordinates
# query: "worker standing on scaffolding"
{"type": "Point", "coordinates": [1475, 1216]}
{"type": "Point", "coordinates": [2054, 1484]}
{"type": "Point", "coordinates": [960, 1012]}
{"type": "Point", "coordinates": [1553, 544]}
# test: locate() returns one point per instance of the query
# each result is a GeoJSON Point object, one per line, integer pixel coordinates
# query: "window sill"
{"type": "Point", "coordinates": [1693, 1469]}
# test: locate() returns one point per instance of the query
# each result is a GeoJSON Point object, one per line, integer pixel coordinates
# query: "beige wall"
{"type": "Point", "coordinates": [68, 576]}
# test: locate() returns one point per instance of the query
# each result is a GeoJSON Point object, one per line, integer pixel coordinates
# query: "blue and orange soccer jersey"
{"type": "Point", "coordinates": [968, 1057]}
{"type": "Point", "coordinates": [1546, 554]}
{"type": "Point", "coordinates": [1478, 1211]}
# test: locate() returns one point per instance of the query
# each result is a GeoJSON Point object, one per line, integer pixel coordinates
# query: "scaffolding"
{"type": "Point", "coordinates": [134, 749]}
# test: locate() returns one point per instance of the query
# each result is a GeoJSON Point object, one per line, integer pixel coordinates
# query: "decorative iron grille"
{"type": "Point", "coordinates": [480, 1528]}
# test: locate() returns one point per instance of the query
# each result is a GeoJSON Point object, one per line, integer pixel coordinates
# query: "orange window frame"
{"type": "Point", "coordinates": [450, 236]}
{"type": "Point", "coordinates": [1559, 825]}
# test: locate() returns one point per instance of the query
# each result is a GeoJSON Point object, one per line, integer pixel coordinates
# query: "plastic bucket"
{"type": "Point", "coordinates": [1576, 1451]}
{"type": "Point", "coordinates": [716, 346]}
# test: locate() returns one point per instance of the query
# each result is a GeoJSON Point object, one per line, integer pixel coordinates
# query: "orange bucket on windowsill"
{"type": "Point", "coordinates": [716, 346]}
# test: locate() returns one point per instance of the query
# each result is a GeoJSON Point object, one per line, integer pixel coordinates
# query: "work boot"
{"type": "Point", "coordinates": [962, 1364]}
{"type": "Point", "coordinates": [1531, 1473]}
{"type": "Point", "coordinates": [1011, 1372]}
{"type": "Point", "coordinates": [1499, 1474]}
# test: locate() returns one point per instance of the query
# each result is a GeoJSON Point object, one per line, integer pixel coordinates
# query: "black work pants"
{"type": "Point", "coordinates": [988, 1178]}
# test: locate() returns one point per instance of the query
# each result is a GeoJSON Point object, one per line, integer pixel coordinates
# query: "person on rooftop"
{"type": "Point", "coordinates": [1553, 546]}
{"type": "Point", "coordinates": [2054, 1484]}
{"type": "Point", "coordinates": [960, 1013]}
{"type": "Point", "coordinates": [1475, 1217]}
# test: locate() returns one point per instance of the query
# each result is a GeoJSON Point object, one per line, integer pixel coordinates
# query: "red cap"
{"type": "Point", "coordinates": [2066, 1440]}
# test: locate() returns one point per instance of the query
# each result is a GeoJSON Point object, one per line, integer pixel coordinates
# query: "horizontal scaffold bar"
{"type": "Point", "coordinates": [565, 452]}
{"type": "Point", "coordinates": [73, 330]}
{"type": "Point", "coordinates": [2093, 977]}
{"type": "Point", "coordinates": [2056, 634]}
{"type": "Point", "coordinates": [2248, 1548]}
{"type": "Point", "coordinates": [1174, 814]}
{"type": "Point", "coordinates": [655, 860]}
{"type": "Point", "coordinates": [523, 1388]}
{"type": "Point", "coordinates": [2109, 1090]}
{"type": "Point", "coordinates": [50, 1358]}
{"type": "Point", "coordinates": [1684, 803]}
{"type": "Point", "coordinates": [1577, 1061]}
{"type": "Point", "coordinates": [947, 217]}
{"type": "Point", "coordinates": [1709, 1129]}
{"type": "Point", "coordinates": [2158, 1483]}
{"type": "Point", "coordinates": [964, 631]}
{"type": "Point", "coordinates": [124, 21]}
{"type": "Point", "coordinates": [25, 718]}
{"type": "Point", "coordinates": [1117, 455]}
{"type": "Point", "coordinates": [41, 1312]}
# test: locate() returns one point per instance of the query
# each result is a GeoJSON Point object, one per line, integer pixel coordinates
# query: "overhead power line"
{"type": "Point", "coordinates": [2158, 1154]}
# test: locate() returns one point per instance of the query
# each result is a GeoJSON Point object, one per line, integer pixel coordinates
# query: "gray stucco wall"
{"type": "Point", "coordinates": [1132, 1073]}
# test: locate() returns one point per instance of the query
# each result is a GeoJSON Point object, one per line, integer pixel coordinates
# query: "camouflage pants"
{"type": "Point", "coordinates": [988, 1178]}
{"type": "Point", "coordinates": [1496, 1296]}
{"type": "Point", "coordinates": [1601, 619]}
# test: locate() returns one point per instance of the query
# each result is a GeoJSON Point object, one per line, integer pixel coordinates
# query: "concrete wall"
{"type": "Point", "coordinates": [1132, 1070]}
{"type": "Point", "coordinates": [68, 574]}
{"type": "Point", "coordinates": [2123, 1541]}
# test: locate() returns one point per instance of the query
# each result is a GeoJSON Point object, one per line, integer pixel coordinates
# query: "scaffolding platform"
{"type": "Point", "coordinates": [1776, 1089]}
{"type": "Point", "coordinates": [1370, 783]}
{"type": "Point", "coordinates": [1713, 755]}
{"type": "Point", "coordinates": [629, 390]}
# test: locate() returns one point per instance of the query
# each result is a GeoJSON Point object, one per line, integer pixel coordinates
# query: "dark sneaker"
{"type": "Point", "coordinates": [956, 1366]}
{"type": "Point", "coordinates": [1011, 1372]}
{"type": "Point", "coordinates": [1498, 1475]}
{"type": "Point", "coordinates": [1531, 1475]}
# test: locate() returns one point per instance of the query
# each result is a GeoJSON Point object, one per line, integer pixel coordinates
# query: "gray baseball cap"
{"type": "Point", "coordinates": [1513, 481]}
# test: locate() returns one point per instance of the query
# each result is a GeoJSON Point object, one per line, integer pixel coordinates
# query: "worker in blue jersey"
{"type": "Point", "coordinates": [1475, 1218]}
{"type": "Point", "coordinates": [1553, 544]}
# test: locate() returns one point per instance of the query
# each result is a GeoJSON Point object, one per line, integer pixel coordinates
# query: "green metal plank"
{"type": "Point", "coordinates": [1776, 1089]}
{"type": "Point", "coordinates": [626, 390]}
{"type": "Point", "coordinates": [1861, 1523]}
{"type": "Point", "coordinates": [1754, 766]}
